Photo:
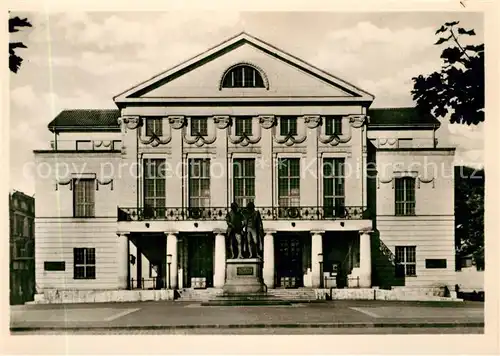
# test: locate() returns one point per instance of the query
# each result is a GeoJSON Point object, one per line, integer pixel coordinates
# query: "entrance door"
{"type": "Point", "coordinates": [289, 262]}
{"type": "Point", "coordinates": [200, 261]}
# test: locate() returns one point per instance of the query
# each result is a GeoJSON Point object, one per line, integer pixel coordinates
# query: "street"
{"type": "Point", "coordinates": [268, 331]}
{"type": "Point", "coordinates": [333, 317]}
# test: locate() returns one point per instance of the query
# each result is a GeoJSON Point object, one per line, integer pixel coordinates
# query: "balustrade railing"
{"type": "Point", "coordinates": [219, 213]}
{"type": "Point", "coordinates": [386, 251]}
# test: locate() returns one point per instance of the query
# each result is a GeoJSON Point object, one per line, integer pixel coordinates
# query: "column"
{"type": "Point", "coordinates": [139, 265]}
{"type": "Point", "coordinates": [220, 260]}
{"type": "Point", "coordinates": [172, 250]}
{"type": "Point", "coordinates": [268, 269]}
{"type": "Point", "coordinates": [365, 256]}
{"type": "Point", "coordinates": [123, 260]}
{"type": "Point", "coordinates": [316, 250]}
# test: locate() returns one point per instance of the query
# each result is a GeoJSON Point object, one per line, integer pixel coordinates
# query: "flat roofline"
{"type": "Point", "coordinates": [416, 149]}
{"type": "Point", "coordinates": [56, 129]}
{"type": "Point", "coordinates": [380, 127]}
{"type": "Point", "coordinates": [77, 151]}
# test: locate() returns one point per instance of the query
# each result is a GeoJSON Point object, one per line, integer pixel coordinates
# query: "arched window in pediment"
{"type": "Point", "coordinates": [243, 76]}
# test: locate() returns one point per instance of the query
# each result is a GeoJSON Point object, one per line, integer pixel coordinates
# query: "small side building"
{"type": "Point", "coordinates": [22, 247]}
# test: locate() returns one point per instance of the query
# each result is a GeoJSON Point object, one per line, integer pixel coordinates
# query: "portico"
{"type": "Point", "coordinates": [295, 254]}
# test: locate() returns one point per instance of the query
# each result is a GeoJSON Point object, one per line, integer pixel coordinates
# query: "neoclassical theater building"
{"type": "Point", "coordinates": [350, 197]}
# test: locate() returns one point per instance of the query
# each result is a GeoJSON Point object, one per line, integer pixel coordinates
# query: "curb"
{"type": "Point", "coordinates": [257, 326]}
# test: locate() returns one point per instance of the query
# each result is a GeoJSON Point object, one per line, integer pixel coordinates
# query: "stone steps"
{"type": "Point", "coordinates": [293, 294]}
{"type": "Point", "coordinates": [205, 295]}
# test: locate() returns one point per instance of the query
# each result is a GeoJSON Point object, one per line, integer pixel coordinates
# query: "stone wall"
{"type": "Point", "coordinates": [104, 296]}
{"type": "Point", "coordinates": [407, 294]}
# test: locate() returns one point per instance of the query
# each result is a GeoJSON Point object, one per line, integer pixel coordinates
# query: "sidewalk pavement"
{"type": "Point", "coordinates": [191, 315]}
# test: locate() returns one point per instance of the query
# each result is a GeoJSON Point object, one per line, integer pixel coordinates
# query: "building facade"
{"type": "Point", "coordinates": [22, 247]}
{"type": "Point", "coordinates": [349, 196]}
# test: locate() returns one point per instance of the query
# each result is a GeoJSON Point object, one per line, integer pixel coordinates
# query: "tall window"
{"type": "Point", "coordinates": [406, 260]}
{"type": "Point", "coordinates": [333, 125]}
{"type": "Point", "coordinates": [243, 181]}
{"type": "Point", "coordinates": [405, 195]}
{"type": "Point", "coordinates": [199, 182]}
{"type": "Point", "coordinates": [154, 127]}
{"type": "Point", "coordinates": [288, 125]}
{"type": "Point", "coordinates": [243, 76]}
{"type": "Point", "coordinates": [243, 125]}
{"type": "Point", "coordinates": [84, 198]}
{"type": "Point", "coordinates": [154, 186]}
{"type": "Point", "coordinates": [288, 182]}
{"type": "Point", "coordinates": [199, 126]}
{"type": "Point", "coordinates": [19, 224]}
{"type": "Point", "coordinates": [84, 263]}
{"type": "Point", "coordinates": [333, 187]}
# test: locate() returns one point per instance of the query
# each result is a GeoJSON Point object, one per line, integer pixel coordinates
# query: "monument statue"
{"type": "Point", "coordinates": [243, 269]}
{"type": "Point", "coordinates": [234, 220]}
{"type": "Point", "coordinates": [254, 231]}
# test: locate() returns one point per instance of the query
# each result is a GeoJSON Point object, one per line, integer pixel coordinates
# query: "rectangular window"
{"type": "Point", "coordinates": [435, 263]}
{"type": "Point", "coordinates": [243, 125]}
{"type": "Point", "coordinates": [199, 182]}
{"type": "Point", "coordinates": [19, 249]}
{"type": "Point", "coordinates": [199, 126]}
{"type": "Point", "coordinates": [84, 145]}
{"type": "Point", "coordinates": [333, 125]}
{"type": "Point", "coordinates": [288, 182]}
{"type": "Point", "coordinates": [288, 126]}
{"type": "Point", "coordinates": [84, 198]}
{"type": "Point", "coordinates": [244, 181]}
{"type": "Point", "coordinates": [117, 145]}
{"type": "Point", "coordinates": [84, 263]}
{"type": "Point", "coordinates": [19, 224]}
{"type": "Point", "coordinates": [407, 260]}
{"type": "Point", "coordinates": [154, 187]}
{"type": "Point", "coordinates": [26, 226]}
{"type": "Point", "coordinates": [54, 266]}
{"type": "Point", "coordinates": [154, 127]}
{"type": "Point", "coordinates": [333, 187]}
{"type": "Point", "coordinates": [31, 228]}
{"type": "Point", "coordinates": [405, 196]}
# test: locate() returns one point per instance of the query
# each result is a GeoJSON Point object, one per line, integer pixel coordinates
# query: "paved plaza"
{"type": "Point", "coordinates": [191, 317]}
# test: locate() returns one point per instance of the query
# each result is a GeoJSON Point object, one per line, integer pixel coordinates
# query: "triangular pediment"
{"type": "Point", "coordinates": [285, 77]}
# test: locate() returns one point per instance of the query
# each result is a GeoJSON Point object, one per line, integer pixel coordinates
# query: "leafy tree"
{"type": "Point", "coordinates": [469, 213]}
{"type": "Point", "coordinates": [459, 86]}
{"type": "Point", "coordinates": [15, 60]}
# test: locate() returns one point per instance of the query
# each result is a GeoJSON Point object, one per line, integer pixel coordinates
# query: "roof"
{"type": "Point", "coordinates": [84, 120]}
{"type": "Point", "coordinates": [400, 117]}
{"type": "Point", "coordinates": [132, 94]}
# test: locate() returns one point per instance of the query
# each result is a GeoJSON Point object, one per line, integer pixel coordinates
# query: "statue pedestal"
{"type": "Point", "coordinates": [243, 276]}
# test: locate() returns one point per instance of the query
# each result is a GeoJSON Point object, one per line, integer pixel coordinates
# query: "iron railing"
{"type": "Point", "coordinates": [267, 213]}
{"type": "Point", "coordinates": [147, 283]}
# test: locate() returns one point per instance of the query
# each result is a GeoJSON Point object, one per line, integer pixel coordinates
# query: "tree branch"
{"type": "Point", "coordinates": [458, 44]}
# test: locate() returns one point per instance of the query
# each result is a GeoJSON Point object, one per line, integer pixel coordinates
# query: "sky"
{"type": "Point", "coordinates": [78, 60]}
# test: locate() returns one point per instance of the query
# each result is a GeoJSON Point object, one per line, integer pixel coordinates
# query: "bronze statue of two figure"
{"type": "Point", "coordinates": [245, 232]}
